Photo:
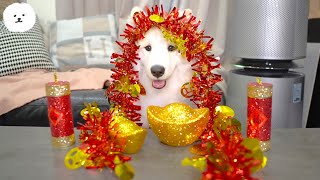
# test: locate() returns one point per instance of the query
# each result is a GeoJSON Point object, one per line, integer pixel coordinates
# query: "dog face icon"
{"type": "Point", "coordinates": [19, 17]}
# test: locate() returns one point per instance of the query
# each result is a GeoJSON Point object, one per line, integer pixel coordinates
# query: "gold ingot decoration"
{"type": "Point", "coordinates": [128, 132]}
{"type": "Point", "coordinates": [177, 124]}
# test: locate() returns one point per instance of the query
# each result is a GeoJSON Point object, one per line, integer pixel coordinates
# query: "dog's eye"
{"type": "Point", "coordinates": [22, 14]}
{"type": "Point", "coordinates": [15, 16]}
{"type": "Point", "coordinates": [148, 48]}
{"type": "Point", "coordinates": [171, 48]}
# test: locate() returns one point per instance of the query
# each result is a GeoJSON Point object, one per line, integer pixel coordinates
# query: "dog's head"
{"type": "Point", "coordinates": [158, 56]}
{"type": "Point", "coordinates": [19, 17]}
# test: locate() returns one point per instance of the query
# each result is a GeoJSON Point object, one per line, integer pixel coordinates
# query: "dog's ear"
{"type": "Point", "coordinates": [133, 12]}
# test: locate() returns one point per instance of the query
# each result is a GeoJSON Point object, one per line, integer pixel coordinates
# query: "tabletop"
{"type": "Point", "coordinates": [26, 154]}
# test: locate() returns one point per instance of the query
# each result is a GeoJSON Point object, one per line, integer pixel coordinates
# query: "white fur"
{"type": "Point", "coordinates": [178, 71]}
{"type": "Point", "coordinates": [19, 10]}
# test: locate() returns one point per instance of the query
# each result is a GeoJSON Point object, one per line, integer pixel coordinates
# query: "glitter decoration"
{"type": "Point", "coordinates": [76, 158]}
{"type": "Point", "coordinates": [227, 154]}
{"type": "Point", "coordinates": [99, 146]}
{"type": "Point", "coordinates": [225, 111]}
{"type": "Point", "coordinates": [259, 112]}
{"type": "Point", "coordinates": [129, 132]}
{"type": "Point", "coordinates": [178, 41]}
{"type": "Point", "coordinates": [60, 113]}
{"type": "Point", "coordinates": [156, 18]}
{"type": "Point", "coordinates": [234, 160]}
{"type": "Point", "coordinates": [180, 30]}
{"type": "Point", "coordinates": [223, 119]}
{"type": "Point", "coordinates": [199, 163]}
{"type": "Point", "coordinates": [177, 124]}
{"type": "Point", "coordinates": [198, 149]}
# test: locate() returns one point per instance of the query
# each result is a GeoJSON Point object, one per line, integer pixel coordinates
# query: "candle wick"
{"type": "Point", "coordinates": [259, 81]}
{"type": "Point", "coordinates": [55, 77]}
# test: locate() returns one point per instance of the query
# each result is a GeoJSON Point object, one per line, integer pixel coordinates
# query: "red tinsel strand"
{"type": "Point", "coordinates": [126, 103]}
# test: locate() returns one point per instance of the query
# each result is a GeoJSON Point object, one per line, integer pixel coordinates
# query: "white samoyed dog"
{"type": "Point", "coordinates": [162, 71]}
{"type": "Point", "coordinates": [19, 17]}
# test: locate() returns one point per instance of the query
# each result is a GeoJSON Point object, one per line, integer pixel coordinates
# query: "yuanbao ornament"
{"type": "Point", "coordinates": [227, 154]}
{"type": "Point", "coordinates": [177, 124]}
{"type": "Point", "coordinates": [259, 112]}
{"type": "Point", "coordinates": [182, 31]}
{"type": "Point", "coordinates": [129, 132]}
{"type": "Point", "coordinates": [99, 146]}
{"type": "Point", "coordinates": [60, 113]}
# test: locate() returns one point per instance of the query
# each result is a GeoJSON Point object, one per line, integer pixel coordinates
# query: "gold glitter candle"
{"type": "Point", "coordinates": [60, 113]}
{"type": "Point", "coordinates": [259, 113]}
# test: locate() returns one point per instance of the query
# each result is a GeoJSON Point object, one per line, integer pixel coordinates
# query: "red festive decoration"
{"type": "Point", "coordinates": [60, 116]}
{"type": "Point", "coordinates": [99, 146]}
{"type": "Point", "coordinates": [60, 113]}
{"type": "Point", "coordinates": [259, 118]}
{"type": "Point", "coordinates": [192, 43]}
{"type": "Point", "coordinates": [98, 141]}
{"type": "Point", "coordinates": [259, 112]}
{"type": "Point", "coordinates": [232, 161]}
{"type": "Point", "coordinates": [228, 156]}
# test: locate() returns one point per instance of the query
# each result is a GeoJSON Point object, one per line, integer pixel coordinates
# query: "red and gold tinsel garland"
{"type": "Point", "coordinates": [182, 30]}
{"type": "Point", "coordinates": [99, 146]}
{"type": "Point", "coordinates": [227, 155]}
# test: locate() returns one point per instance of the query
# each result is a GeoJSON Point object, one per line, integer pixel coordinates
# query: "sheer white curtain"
{"type": "Point", "coordinates": [213, 13]}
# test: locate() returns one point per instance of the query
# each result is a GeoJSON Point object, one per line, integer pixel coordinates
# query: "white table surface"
{"type": "Point", "coordinates": [26, 154]}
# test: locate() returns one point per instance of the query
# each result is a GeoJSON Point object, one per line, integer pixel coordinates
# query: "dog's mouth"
{"type": "Point", "coordinates": [19, 21]}
{"type": "Point", "coordinates": [159, 84]}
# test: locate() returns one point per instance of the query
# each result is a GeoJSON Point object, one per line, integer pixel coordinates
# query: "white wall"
{"type": "Point", "coordinates": [46, 12]}
{"type": "Point", "coordinates": [45, 9]}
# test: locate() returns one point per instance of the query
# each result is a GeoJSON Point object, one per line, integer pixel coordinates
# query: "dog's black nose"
{"type": "Point", "coordinates": [19, 19]}
{"type": "Point", "coordinates": [157, 71]}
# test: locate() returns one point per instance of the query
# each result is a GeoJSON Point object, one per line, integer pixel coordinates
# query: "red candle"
{"type": "Point", "coordinates": [259, 113]}
{"type": "Point", "coordinates": [60, 113]}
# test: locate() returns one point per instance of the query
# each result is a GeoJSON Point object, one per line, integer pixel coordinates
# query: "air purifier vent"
{"type": "Point", "coordinates": [269, 29]}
